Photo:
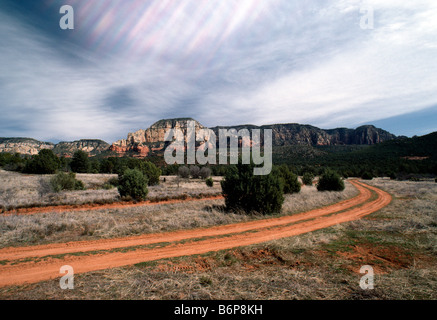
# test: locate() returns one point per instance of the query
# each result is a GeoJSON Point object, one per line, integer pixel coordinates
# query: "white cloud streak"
{"type": "Point", "coordinates": [287, 63]}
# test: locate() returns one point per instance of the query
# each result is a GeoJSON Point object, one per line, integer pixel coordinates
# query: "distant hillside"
{"type": "Point", "coordinates": [23, 145]}
{"type": "Point", "coordinates": [150, 141]}
{"type": "Point", "coordinates": [145, 142]}
{"type": "Point", "coordinates": [298, 134]}
{"type": "Point", "coordinates": [91, 146]}
{"type": "Point", "coordinates": [400, 155]}
{"type": "Point", "coordinates": [28, 146]}
{"type": "Point", "coordinates": [411, 148]}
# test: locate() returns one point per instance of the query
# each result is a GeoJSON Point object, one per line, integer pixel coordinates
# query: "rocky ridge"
{"type": "Point", "coordinates": [145, 142]}
{"type": "Point", "coordinates": [23, 145]}
{"type": "Point", "coordinates": [92, 147]}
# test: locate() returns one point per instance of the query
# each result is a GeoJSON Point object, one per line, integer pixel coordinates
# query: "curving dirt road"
{"type": "Point", "coordinates": [38, 263]}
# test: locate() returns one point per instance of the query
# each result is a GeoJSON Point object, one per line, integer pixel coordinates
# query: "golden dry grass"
{"type": "Point", "coordinates": [22, 190]}
{"type": "Point", "coordinates": [17, 230]}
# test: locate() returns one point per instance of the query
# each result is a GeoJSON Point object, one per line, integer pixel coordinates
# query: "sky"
{"type": "Point", "coordinates": [129, 63]}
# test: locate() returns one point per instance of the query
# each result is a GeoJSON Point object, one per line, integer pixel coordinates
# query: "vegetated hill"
{"type": "Point", "coordinates": [91, 146]}
{"type": "Point", "coordinates": [401, 155]}
{"type": "Point", "coordinates": [416, 148]}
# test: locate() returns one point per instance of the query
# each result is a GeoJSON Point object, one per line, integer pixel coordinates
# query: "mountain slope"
{"type": "Point", "coordinates": [146, 142]}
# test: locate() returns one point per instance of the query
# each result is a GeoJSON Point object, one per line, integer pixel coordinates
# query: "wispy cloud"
{"type": "Point", "coordinates": [130, 63]}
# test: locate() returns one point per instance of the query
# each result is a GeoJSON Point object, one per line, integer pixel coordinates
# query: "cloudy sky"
{"type": "Point", "coordinates": [129, 63]}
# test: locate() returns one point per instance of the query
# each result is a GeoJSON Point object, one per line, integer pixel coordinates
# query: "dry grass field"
{"type": "Point", "coordinates": [19, 230]}
{"type": "Point", "coordinates": [399, 241]}
{"type": "Point", "coordinates": [20, 190]}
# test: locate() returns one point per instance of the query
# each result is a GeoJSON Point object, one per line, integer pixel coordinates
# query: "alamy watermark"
{"type": "Point", "coordinates": [184, 144]}
{"type": "Point", "coordinates": [368, 280]}
{"type": "Point", "coordinates": [367, 18]}
{"type": "Point", "coordinates": [67, 281]}
{"type": "Point", "coordinates": [67, 20]}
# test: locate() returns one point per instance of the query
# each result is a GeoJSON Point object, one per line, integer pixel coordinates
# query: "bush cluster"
{"type": "Point", "coordinates": [184, 172]}
{"type": "Point", "coordinates": [205, 172]}
{"type": "Point", "coordinates": [245, 191]}
{"type": "Point", "coordinates": [45, 162]}
{"type": "Point", "coordinates": [330, 181]}
{"type": "Point", "coordinates": [367, 176]}
{"type": "Point", "coordinates": [209, 182]}
{"type": "Point", "coordinates": [194, 171]}
{"type": "Point", "coordinates": [290, 181]}
{"type": "Point", "coordinates": [66, 181]}
{"type": "Point", "coordinates": [307, 178]}
{"type": "Point", "coordinates": [133, 183]}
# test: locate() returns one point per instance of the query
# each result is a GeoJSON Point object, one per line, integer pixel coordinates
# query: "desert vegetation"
{"type": "Point", "coordinates": [330, 181]}
{"type": "Point", "coordinates": [24, 191]}
{"type": "Point", "coordinates": [46, 162]}
{"type": "Point", "coordinates": [245, 191]}
{"type": "Point", "coordinates": [307, 178]}
{"type": "Point", "coordinates": [133, 184]}
{"type": "Point", "coordinates": [66, 181]}
{"type": "Point", "coordinates": [399, 241]}
{"type": "Point", "coordinates": [289, 180]}
{"type": "Point", "coordinates": [107, 222]}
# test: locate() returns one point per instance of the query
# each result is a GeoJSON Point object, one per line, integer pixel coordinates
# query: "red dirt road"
{"type": "Point", "coordinates": [23, 265]}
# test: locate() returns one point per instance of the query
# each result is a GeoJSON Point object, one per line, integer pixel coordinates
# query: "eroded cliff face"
{"type": "Point", "coordinates": [142, 142]}
{"type": "Point", "coordinates": [23, 145]}
{"type": "Point", "coordinates": [297, 134]}
{"type": "Point", "coordinates": [145, 142]}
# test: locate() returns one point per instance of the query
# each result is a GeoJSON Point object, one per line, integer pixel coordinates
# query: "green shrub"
{"type": "Point", "coordinates": [45, 162]}
{"type": "Point", "coordinates": [307, 178]}
{"type": "Point", "coordinates": [113, 182]}
{"type": "Point", "coordinates": [330, 181]}
{"type": "Point", "coordinates": [205, 172]}
{"type": "Point", "coordinates": [184, 172]}
{"type": "Point", "coordinates": [80, 162]}
{"type": "Point", "coordinates": [367, 176]}
{"type": "Point", "coordinates": [133, 183]}
{"type": "Point", "coordinates": [245, 191]}
{"type": "Point", "coordinates": [290, 181]}
{"type": "Point", "coordinates": [209, 182]}
{"type": "Point", "coordinates": [108, 186]}
{"type": "Point", "coordinates": [151, 171]}
{"type": "Point", "coordinates": [66, 181]}
{"type": "Point", "coordinates": [195, 172]}
{"type": "Point", "coordinates": [12, 162]}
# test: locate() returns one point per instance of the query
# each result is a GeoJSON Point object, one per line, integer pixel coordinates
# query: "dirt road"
{"type": "Point", "coordinates": [39, 263]}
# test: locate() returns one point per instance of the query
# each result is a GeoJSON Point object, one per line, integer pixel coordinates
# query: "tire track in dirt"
{"type": "Point", "coordinates": [30, 272]}
{"type": "Point", "coordinates": [115, 243]}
